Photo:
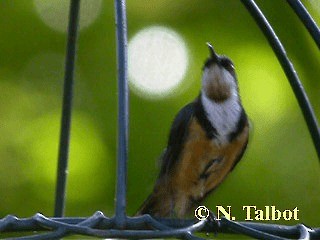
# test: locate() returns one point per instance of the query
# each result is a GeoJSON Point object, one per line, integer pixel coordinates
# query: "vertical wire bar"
{"type": "Point", "coordinates": [289, 70]}
{"type": "Point", "coordinates": [307, 20]}
{"type": "Point", "coordinates": [66, 109]}
{"type": "Point", "coordinates": [123, 111]}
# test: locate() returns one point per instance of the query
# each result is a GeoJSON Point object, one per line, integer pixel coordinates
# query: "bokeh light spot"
{"type": "Point", "coordinates": [315, 4]}
{"type": "Point", "coordinates": [45, 70]}
{"type": "Point", "coordinates": [54, 13]}
{"type": "Point", "coordinates": [315, 9]}
{"type": "Point", "coordinates": [40, 138]}
{"type": "Point", "coordinates": [158, 60]}
{"type": "Point", "coordinates": [265, 90]}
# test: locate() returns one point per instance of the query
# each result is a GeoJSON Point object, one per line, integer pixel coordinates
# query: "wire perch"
{"type": "Point", "coordinates": [145, 226]}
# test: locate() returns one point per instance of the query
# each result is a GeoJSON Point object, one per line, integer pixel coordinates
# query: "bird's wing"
{"type": "Point", "coordinates": [177, 137]}
{"type": "Point", "coordinates": [242, 124]}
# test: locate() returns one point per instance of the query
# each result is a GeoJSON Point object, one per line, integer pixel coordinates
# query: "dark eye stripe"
{"type": "Point", "coordinates": [230, 68]}
{"type": "Point", "coordinates": [208, 63]}
{"type": "Point", "coordinates": [226, 62]}
{"type": "Point", "coordinates": [228, 65]}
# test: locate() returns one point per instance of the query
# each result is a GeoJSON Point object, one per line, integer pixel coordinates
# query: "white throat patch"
{"type": "Point", "coordinates": [223, 116]}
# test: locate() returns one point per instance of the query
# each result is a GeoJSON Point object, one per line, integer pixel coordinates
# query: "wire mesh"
{"type": "Point", "coordinates": [122, 226]}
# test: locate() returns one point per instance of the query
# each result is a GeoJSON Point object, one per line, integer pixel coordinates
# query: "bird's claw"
{"type": "Point", "coordinates": [213, 222]}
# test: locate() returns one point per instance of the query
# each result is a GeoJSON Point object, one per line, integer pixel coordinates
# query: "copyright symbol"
{"type": "Point", "coordinates": [201, 213]}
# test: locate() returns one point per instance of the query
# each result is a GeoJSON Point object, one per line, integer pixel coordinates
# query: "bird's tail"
{"type": "Point", "coordinates": [160, 202]}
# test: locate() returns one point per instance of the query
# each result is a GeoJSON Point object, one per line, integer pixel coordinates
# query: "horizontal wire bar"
{"type": "Point", "coordinates": [249, 231]}
{"type": "Point", "coordinates": [289, 70]}
{"type": "Point", "coordinates": [99, 225]}
{"type": "Point", "coordinates": [306, 19]}
{"type": "Point", "coordinates": [189, 236]}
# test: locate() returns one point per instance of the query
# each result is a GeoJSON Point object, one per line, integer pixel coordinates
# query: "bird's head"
{"type": "Point", "coordinates": [219, 81]}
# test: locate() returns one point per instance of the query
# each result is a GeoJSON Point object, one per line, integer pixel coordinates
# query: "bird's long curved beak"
{"type": "Point", "coordinates": [214, 56]}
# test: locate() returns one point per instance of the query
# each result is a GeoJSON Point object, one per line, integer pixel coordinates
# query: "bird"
{"type": "Point", "coordinates": [207, 139]}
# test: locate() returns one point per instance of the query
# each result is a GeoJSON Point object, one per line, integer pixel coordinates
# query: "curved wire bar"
{"type": "Point", "coordinates": [289, 70]}
{"type": "Point", "coordinates": [66, 109]}
{"type": "Point", "coordinates": [306, 19]}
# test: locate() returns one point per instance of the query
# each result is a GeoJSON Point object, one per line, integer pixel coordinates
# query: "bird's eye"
{"type": "Point", "coordinates": [228, 65]}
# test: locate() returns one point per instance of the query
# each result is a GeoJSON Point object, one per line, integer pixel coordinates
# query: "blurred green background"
{"type": "Point", "coordinates": [279, 168]}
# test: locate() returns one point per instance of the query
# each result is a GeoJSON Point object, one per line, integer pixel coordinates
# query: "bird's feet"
{"type": "Point", "coordinates": [213, 222]}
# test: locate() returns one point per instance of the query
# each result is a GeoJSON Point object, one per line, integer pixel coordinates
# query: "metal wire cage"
{"type": "Point", "coordinates": [122, 226]}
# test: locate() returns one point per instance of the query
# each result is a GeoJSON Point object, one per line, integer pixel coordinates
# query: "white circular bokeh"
{"type": "Point", "coordinates": [54, 13]}
{"type": "Point", "coordinates": [158, 60]}
{"type": "Point", "coordinates": [315, 4]}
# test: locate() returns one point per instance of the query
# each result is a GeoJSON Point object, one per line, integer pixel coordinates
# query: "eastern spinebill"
{"type": "Point", "coordinates": [207, 139]}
